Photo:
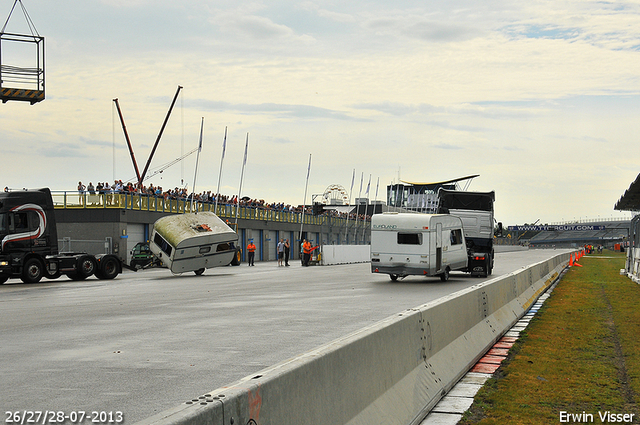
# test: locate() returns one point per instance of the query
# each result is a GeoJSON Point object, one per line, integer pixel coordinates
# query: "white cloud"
{"type": "Point", "coordinates": [332, 15]}
{"type": "Point", "coordinates": [421, 29]}
{"type": "Point", "coordinates": [539, 98]}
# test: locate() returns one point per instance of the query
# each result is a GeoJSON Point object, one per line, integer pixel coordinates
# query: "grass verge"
{"type": "Point", "coordinates": [579, 355]}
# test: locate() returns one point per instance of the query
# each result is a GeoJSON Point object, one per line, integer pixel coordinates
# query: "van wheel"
{"type": "Point", "coordinates": [444, 276]}
{"type": "Point", "coordinates": [32, 271]}
{"type": "Point", "coordinates": [393, 277]}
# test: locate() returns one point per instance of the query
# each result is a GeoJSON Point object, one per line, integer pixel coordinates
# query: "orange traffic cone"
{"type": "Point", "coordinates": [570, 260]}
{"type": "Point", "coordinates": [576, 262]}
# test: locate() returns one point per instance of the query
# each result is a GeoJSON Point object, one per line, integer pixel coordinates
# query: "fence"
{"type": "Point", "coordinates": [143, 202]}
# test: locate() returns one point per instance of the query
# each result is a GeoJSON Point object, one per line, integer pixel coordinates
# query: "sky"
{"type": "Point", "coordinates": [541, 99]}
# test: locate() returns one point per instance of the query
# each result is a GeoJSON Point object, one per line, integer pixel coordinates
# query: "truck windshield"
{"type": "Point", "coordinates": [3, 224]}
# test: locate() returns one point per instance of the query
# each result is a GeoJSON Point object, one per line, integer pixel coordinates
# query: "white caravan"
{"type": "Point", "coordinates": [193, 242]}
{"type": "Point", "coordinates": [405, 244]}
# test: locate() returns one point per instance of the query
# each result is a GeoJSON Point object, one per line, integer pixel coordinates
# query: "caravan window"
{"type": "Point", "coordinates": [223, 247]}
{"type": "Point", "coordinates": [456, 237]}
{"type": "Point", "coordinates": [409, 238]}
{"type": "Point", "coordinates": [164, 245]}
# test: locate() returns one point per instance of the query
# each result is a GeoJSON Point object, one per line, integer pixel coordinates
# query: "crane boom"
{"type": "Point", "coordinates": [164, 124]}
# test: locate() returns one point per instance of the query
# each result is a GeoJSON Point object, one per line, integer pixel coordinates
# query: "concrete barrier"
{"type": "Point", "coordinates": [345, 254]}
{"type": "Point", "coordinates": [392, 372]}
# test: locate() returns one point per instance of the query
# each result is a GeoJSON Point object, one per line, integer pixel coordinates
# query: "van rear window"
{"type": "Point", "coordinates": [409, 238]}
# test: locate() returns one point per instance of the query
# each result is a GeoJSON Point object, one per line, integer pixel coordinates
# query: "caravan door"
{"type": "Point", "coordinates": [438, 247]}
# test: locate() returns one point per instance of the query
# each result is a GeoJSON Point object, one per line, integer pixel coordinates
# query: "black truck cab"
{"type": "Point", "coordinates": [29, 242]}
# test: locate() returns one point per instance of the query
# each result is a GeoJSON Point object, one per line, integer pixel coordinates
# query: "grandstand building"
{"type": "Point", "coordinates": [421, 197]}
{"type": "Point", "coordinates": [608, 234]}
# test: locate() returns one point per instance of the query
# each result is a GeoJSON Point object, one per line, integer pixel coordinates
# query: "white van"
{"type": "Point", "coordinates": [405, 244]}
{"type": "Point", "coordinates": [193, 242]}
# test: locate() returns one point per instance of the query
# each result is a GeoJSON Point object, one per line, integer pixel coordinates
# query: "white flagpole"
{"type": "Point", "coordinates": [355, 232]}
{"type": "Point", "coordinates": [377, 184]}
{"type": "Point", "coordinates": [217, 194]}
{"type": "Point", "coordinates": [346, 226]}
{"type": "Point", "coordinates": [305, 197]}
{"type": "Point", "coordinates": [368, 186]}
{"type": "Point", "coordinates": [367, 193]}
{"type": "Point", "coordinates": [195, 175]}
{"type": "Point", "coordinates": [244, 162]}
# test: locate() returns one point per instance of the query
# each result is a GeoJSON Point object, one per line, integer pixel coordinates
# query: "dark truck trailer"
{"type": "Point", "coordinates": [476, 211]}
{"type": "Point", "coordinates": [29, 243]}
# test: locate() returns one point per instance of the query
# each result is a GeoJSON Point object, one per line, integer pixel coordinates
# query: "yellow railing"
{"type": "Point", "coordinates": [75, 200]}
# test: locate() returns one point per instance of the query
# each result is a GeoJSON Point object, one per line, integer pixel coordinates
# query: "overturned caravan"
{"type": "Point", "coordinates": [193, 242]}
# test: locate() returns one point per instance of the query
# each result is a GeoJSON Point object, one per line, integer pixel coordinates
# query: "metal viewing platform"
{"type": "Point", "coordinates": [21, 63]}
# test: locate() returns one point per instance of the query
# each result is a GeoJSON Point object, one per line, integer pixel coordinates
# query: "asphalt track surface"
{"type": "Point", "coordinates": [148, 341]}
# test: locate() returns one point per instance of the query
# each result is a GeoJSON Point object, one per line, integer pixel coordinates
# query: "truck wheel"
{"type": "Point", "coordinates": [3, 279]}
{"type": "Point", "coordinates": [487, 269]}
{"type": "Point", "coordinates": [108, 268]}
{"type": "Point", "coordinates": [393, 277]}
{"type": "Point", "coordinates": [199, 272]}
{"type": "Point", "coordinates": [53, 275]}
{"type": "Point", "coordinates": [86, 266]}
{"type": "Point", "coordinates": [444, 276]}
{"type": "Point", "coordinates": [32, 271]}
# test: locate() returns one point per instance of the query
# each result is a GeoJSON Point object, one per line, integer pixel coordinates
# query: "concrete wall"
{"type": "Point", "coordinates": [393, 372]}
{"type": "Point", "coordinates": [345, 254]}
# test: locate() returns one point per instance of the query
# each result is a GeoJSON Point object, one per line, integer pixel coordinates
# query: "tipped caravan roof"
{"type": "Point", "coordinates": [180, 230]}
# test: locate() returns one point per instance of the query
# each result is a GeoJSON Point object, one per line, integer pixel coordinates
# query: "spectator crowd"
{"type": "Point", "coordinates": [204, 197]}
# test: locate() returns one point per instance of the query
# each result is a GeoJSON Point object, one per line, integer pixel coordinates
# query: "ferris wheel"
{"type": "Point", "coordinates": [335, 194]}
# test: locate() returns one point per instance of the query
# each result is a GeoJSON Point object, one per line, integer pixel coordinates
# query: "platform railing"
{"type": "Point", "coordinates": [144, 202]}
